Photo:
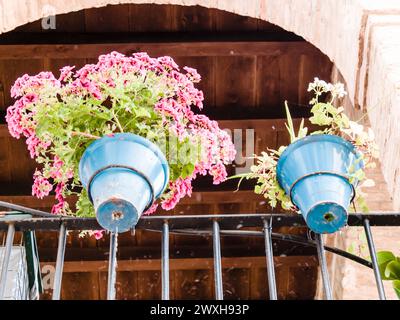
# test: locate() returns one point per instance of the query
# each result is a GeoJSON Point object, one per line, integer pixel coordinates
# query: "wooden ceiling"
{"type": "Point", "coordinates": [248, 67]}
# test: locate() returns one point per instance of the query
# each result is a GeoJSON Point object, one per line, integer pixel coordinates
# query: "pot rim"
{"type": "Point", "coordinates": [309, 139]}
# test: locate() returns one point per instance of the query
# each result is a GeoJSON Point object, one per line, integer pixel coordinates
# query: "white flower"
{"type": "Point", "coordinates": [337, 90]}
{"type": "Point", "coordinates": [318, 86]}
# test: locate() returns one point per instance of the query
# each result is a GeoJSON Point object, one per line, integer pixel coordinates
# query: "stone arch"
{"type": "Point", "coordinates": [312, 20]}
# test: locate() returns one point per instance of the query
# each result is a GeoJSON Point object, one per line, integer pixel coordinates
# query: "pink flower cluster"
{"type": "Point", "coordinates": [96, 81]}
{"type": "Point", "coordinates": [41, 186]}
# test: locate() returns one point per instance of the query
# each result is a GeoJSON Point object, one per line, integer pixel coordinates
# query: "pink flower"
{"type": "Point", "coordinates": [193, 74]}
{"type": "Point", "coordinates": [218, 172]}
{"type": "Point", "coordinates": [151, 210]}
{"type": "Point", "coordinates": [168, 63]}
{"type": "Point", "coordinates": [41, 186]}
{"type": "Point", "coordinates": [59, 207]}
{"type": "Point", "coordinates": [35, 145]}
{"type": "Point", "coordinates": [178, 189]}
{"type": "Point", "coordinates": [98, 234]}
{"type": "Point", "coordinates": [66, 73]}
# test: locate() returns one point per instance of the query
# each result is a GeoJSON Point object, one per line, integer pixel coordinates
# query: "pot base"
{"type": "Point", "coordinates": [326, 217]}
{"type": "Point", "coordinates": [117, 215]}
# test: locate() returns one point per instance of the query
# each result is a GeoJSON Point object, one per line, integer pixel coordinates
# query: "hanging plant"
{"type": "Point", "coordinates": [321, 171]}
{"type": "Point", "coordinates": [148, 97]}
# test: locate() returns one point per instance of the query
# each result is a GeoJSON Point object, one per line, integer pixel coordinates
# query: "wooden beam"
{"type": "Point", "coordinates": [174, 49]}
{"type": "Point", "coordinates": [203, 197]}
{"type": "Point", "coordinates": [186, 264]}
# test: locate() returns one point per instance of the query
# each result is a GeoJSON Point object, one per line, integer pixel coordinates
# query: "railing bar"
{"type": "Point", "coordinates": [6, 261]}
{"type": "Point", "coordinates": [372, 251]}
{"type": "Point", "coordinates": [165, 261]}
{"type": "Point", "coordinates": [31, 211]}
{"type": "Point", "coordinates": [324, 268]}
{"type": "Point", "coordinates": [276, 236]}
{"type": "Point", "coordinates": [219, 294]}
{"type": "Point", "coordinates": [270, 260]}
{"type": "Point", "coordinates": [62, 240]}
{"type": "Point", "coordinates": [112, 266]}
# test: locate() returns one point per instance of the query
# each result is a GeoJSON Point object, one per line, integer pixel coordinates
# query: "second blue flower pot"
{"type": "Point", "coordinates": [314, 172]}
{"type": "Point", "coordinates": [123, 175]}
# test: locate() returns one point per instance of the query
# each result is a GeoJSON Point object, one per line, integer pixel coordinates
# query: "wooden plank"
{"type": "Point", "coordinates": [174, 49]}
{"type": "Point", "coordinates": [197, 197]}
{"type": "Point", "coordinates": [126, 286]}
{"type": "Point", "coordinates": [311, 66]}
{"type": "Point", "coordinates": [192, 19]}
{"type": "Point", "coordinates": [268, 84]}
{"type": "Point", "coordinates": [302, 282]}
{"type": "Point", "coordinates": [206, 68]}
{"type": "Point", "coordinates": [235, 81]}
{"type": "Point", "coordinates": [228, 21]}
{"type": "Point", "coordinates": [265, 26]}
{"type": "Point", "coordinates": [289, 65]}
{"type": "Point", "coordinates": [149, 285]}
{"type": "Point", "coordinates": [76, 282]}
{"type": "Point", "coordinates": [10, 70]}
{"type": "Point", "coordinates": [194, 284]}
{"type": "Point", "coordinates": [186, 264]}
{"type": "Point", "coordinates": [151, 18]}
{"type": "Point", "coordinates": [258, 283]}
{"type": "Point", "coordinates": [112, 18]}
{"type": "Point", "coordinates": [236, 283]}
{"type": "Point", "coordinates": [56, 64]}
{"type": "Point", "coordinates": [282, 281]}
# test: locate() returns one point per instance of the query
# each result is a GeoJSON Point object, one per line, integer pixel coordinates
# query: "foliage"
{"type": "Point", "coordinates": [332, 120]}
{"type": "Point", "coordinates": [389, 267]}
{"type": "Point", "coordinates": [60, 117]}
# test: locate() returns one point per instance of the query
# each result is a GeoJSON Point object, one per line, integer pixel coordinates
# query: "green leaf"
{"type": "Point", "coordinates": [142, 112]}
{"type": "Point", "coordinates": [396, 287]}
{"type": "Point", "coordinates": [392, 270]}
{"type": "Point", "coordinates": [187, 170]}
{"type": "Point", "coordinates": [289, 124]}
{"type": "Point", "coordinates": [384, 257]}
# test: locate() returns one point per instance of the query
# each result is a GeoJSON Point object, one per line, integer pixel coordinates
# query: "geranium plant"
{"type": "Point", "coordinates": [332, 121]}
{"type": "Point", "coordinates": [150, 97]}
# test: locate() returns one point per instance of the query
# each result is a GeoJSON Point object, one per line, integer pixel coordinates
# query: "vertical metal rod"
{"type": "Point", "coordinates": [270, 261]}
{"type": "Point", "coordinates": [372, 251]}
{"type": "Point", "coordinates": [62, 240]}
{"type": "Point", "coordinates": [112, 266]}
{"type": "Point", "coordinates": [219, 294]}
{"type": "Point", "coordinates": [324, 268]}
{"type": "Point", "coordinates": [165, 262]}
{"type": "Point", "coordinates": [6, 261]}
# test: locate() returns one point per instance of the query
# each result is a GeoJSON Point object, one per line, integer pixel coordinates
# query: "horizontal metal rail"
{"type": "Point", "coordinates": [226, 221]}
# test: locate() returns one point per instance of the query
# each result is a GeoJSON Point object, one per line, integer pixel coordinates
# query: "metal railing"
{"type": "Point", "coordinates": [22, 218]}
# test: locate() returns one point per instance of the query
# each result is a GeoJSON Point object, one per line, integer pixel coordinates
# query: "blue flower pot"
{"type": "Point", "coordinates": [123, 175]}
{"type": "Point", "coordinates": [314, 172]}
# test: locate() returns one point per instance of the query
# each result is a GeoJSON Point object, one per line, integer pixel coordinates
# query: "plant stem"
{"type": "Point", "coordinates": [83, 134]}
{"type": "Point", "coordinates": [117, 121]}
